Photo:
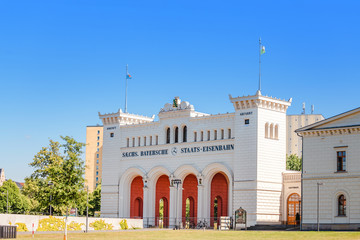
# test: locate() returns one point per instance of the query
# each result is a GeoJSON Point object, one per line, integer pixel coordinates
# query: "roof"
{"type": "Point", "coordinates": [326, 123]}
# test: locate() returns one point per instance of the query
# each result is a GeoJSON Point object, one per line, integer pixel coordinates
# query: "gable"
{"type": "Point", "coordinates": [345, 121]}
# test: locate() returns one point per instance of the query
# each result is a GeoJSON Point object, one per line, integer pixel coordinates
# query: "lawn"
{"type": "Point", "coordinates": [199, 234]}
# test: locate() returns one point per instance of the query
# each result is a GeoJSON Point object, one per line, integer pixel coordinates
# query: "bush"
{"type": "Point", "coordinates": [123, 224]}
{"type": "Point", "coordinates": [101, 225]}
{"type": "Point", "coordinates": [21, 227]}
{"type": "Point", "coordinates": [74, 226]}
{"type": "Point", "coordinates": [51, 224]}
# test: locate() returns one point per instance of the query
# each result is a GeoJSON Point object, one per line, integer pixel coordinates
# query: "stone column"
{"type": "Point", "coordinates": [172, 206]}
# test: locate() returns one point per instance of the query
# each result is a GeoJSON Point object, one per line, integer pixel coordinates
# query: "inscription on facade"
{"type": "Point", "coordinates": [246, 113]}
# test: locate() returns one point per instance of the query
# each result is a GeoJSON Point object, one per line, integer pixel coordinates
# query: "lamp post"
{"type": "Point", "coordinates": [87, 208]}
{"type": "Point", "coordinates": [50, 184]}
{"type": "Point", "coordinates": [318, 205]}
{"type": "Point", "coordinates": [177, 182]}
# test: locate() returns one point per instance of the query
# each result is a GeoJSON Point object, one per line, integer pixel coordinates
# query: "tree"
{"type": "Point", "coordinates": [18, 203]}
{"type": "Point", "coordinates": [293, 162]}
{"type": "Point", "coordinates": [58, 174]}
{"type": "Point", "coordinates": [95, 201]}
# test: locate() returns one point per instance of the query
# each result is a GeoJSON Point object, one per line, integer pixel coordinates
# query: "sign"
{"type": "Point", "coordinates": [240, 217]}
{"type": "Point", "coordinates": [175, 151]}
{"type": "Point", "coordinates": [246, 113]}
{"type": "Point", "coordinates": [73, 212]}
{"type": "Point", "coordinates": [110, 128]}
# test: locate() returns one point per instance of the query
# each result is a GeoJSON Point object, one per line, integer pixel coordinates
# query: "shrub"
{"type": "Point", "coordinates": [74, 226]}
{"type": "Point", "coordinates": [101, 225]}
{"type": "Point", "coordinates": [123, 224]}
{"type": "Point", "coordinates": [21, 227]}
{"type": "Point", "coordinates": [51, 224]}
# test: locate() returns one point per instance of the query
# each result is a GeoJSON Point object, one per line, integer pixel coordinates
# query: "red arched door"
{"type": "Point", "coordinates": [162, 207]}
{"type": "Point", "coordinates": [189, 200]}
{"type": "Point", "coordinates": [136, 198]}
{"type": "Point", "coordinates": [293, 209]}
{"type": "Point", "coordinates": [219, 198]}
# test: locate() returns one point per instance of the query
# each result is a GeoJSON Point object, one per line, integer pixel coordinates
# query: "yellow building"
{"type": "Point", "coordinates": [293, 122]}
{"type": "Point", "coordinates": [93, 156]}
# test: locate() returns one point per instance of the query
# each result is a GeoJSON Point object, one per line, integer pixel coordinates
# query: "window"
{"type": "Point", "coordinates": [98, 143]}
{"type": "Point", "coordinates": [97, 161]}
{"type": "Point", "coordinates": [195, 136]}
{"type": "Point", "coordinates": [133, 140]}
{"type": "Point", "coordinates": [111, 134]}
{"type": "Point", "coordinates": [208, 135]}
{"type": "Point", "coordinates": [97, 185]}
{"type": "Point", "coordinates": [215, 134]}
{"type": "Point", "coordinates": [139, 141]}
{"type": "Point", "coordinates": [229, 133]}
{"type": "Point", "coordinates": [247, 121]}
{"type": "Point", "coordinates": [202, 136]}
{"type": "Point", "coordinates": [97, 149]}
{"type": "Point", "coordinates": [184, 134]}
{"type": "Point", "coordinates": [341, 205]}
{"type": "Point", "coordinates": [150, 140]}
{"type": "Point", "coordinates": [168, 135]}
{"type": "Point", "coordinates": [97, 173]}
{"type": "Point", "coordinates": [176, 135]}
{"type": "Point", "coordinates": [144, 141]}
{"type": "Point", "coordinates": [97, 179]}
{"type": "Point", "coordinates": [272, 130]}
{"type": "Point", "coordinates": [97, 167]}
{"type": "Point", "coordinates": [157, 139]}
{"type": "Point", "coordinates": [98, 132]}
{"type": "Point", "coordinates": [266, 130]}
{"type": "Point", "coordinates": [341, 161]}
{"type": "Point", "coordinates": [222, 133]}
{"type": "Point", "coordinates": [98, 138]}
{"type": "Point", "coordinates": [127, 142]}
{"type": "Point", "coordinates": [97, 155]}
{"type": "Point", "coordinates": [276, 131]}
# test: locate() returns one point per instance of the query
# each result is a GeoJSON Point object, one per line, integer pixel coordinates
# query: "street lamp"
{"type": "Point", "coordinates": [87, 208]}
{"type": "Point", "coordinates": [318, 205]}
{"type": "Point", "coordinates": [50, 184]}
{"type": "Point", "coordinates": [177, 182]}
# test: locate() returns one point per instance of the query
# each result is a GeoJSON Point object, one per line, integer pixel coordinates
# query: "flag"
{"type": "Point", "coordinates": [262, 51]}
{"type": "Point", "coordinates": [128, 76]}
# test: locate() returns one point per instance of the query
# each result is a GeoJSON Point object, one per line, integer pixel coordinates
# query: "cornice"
{"type": "Point", "coordinates": [330, 131]}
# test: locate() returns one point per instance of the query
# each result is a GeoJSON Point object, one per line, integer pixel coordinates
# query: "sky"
{"type": "Point", "coordinates": [62, 62]}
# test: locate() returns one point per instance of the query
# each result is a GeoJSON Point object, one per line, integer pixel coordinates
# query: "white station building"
{"type": "Point", "coordinates": [224, 161]}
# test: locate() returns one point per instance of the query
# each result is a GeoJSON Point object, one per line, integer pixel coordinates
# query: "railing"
{"type": "Point", "coordinates": [8, 231]}
{"type": "Point", "coordinates": [184, 223]}
{"type": "Point", "coordinates": [292, 177]}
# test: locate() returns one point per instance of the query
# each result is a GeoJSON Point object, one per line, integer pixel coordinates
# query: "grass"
{"type": "Point", "coordinates": [199, 234]}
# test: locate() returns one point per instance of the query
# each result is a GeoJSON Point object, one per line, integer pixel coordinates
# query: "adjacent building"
{"type": "Point", "coordinates": [293, 122]}
{"type": "Point", "coordinates": [93, 156]}
{"type": "Point", "coordinates": [331, 173]}
{"type": "Point", "coordinates": [2, 176]}
{"type": "Point", "coordinates": [190, 166]}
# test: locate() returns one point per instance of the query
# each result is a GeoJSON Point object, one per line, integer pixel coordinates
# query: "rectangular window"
{"type": "Point", "coordinates": [247, 121]}
{"type": "Point", "coordinates": [229, 133]}
{"type": "Point", "coordinates": [139, 140]}
{"type": "Point", "coordinates": [97, 149]}
{"type": "Point", "coordinates": [208, 135]}
{"type": "Point", "coordinates": [97, 161]}
{"type": "Point", "coordinates": [195, 136]}
{"type": "Point", "coordinates": [222, 133]}
{"type": "Point", "coordinates": [98, 132]}
{"type": "Point", "coordinates": [144, 141]}
{"type": "Point", "coordinates": [111, 135]}
{"type": "Point", "coordinates": [97, 179]}
{"type": "Point", "coordinates": [98, 138]}
{"type": "Point", "coordinates": [133, 142]}
{"type": "Point", "coordinates": [157, 140]}
{"type": "Point", "coordinates": [202, 136]}
{"type": "Point", "coordinates": [341, 161]}
{"type": "Point", "coordinates": [97, 155]}
{"type": "Point", "coordinates": [215, 134]}
{"type": "Point", "coordinates": [97, 173]}
{"type": "Point", "coordinates": [127, 142]}
{"type": "Point", "coordinates": [98, 143]}
{"type": "Point", "coordinates": [150, 140]}
{"type": "Point", "coordinates": [97, 167]}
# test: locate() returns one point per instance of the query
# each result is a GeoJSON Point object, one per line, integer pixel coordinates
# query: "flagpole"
{"type": "Point", "coordinates": [126, 88]}
{"type": "Point", "coordinates": [259, 64]}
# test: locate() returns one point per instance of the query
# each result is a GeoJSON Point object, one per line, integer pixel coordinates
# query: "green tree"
{"type": "Point", "coordinates": [58, 174]}
{"type": "Point", "coordinates": [18, 203]}
{"type": "Point", "coordinates": [95, 201]}
{"type": "Point", "coordinates": [293, 162]}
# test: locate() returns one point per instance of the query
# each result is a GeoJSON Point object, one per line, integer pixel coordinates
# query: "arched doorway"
{"type": "Point", "coordinates": [219, 198]}
{"type": "Point", "coordinates": [293, 209]}
{"type": "Point", "coordinates": [189, 200]}
{"type": "Point", "coordinates": [136, 198]}
{"type": "Point", "coordinates": [162, 201]}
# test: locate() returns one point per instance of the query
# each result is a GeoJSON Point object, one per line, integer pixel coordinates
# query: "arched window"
{"type": "Point", "coordinates": [266, 130]}
{"type": "Point", "coordinates": [195, 136]}
{"type": "Point", "coordinates": [168, 135]}
{"type": "Point", "coordinates": [184, 134]}
{"type": "Point", "coordinates": [202, 136]}
{"type": "Point", "coordinates": [341, 205]}
{"type": "Point", "coordinates": [271, 130]}
{"type": "Point", "coordinates": [176, 134]}
{"type": "Point", "coordinates": [222, 133]}
{"type": "Point", "coordinates": [276, 131]}
{"type": "Point", "coordinates": [215, 134]}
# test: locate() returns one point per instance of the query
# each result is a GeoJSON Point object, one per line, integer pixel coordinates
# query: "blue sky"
{"type": "Point", "coordinates": [61, 62]}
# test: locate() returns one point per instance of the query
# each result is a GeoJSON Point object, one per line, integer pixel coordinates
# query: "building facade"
{"type": "Point", "coordinates": [331, 173]}
{"type": "Point", "coordinates": [294, 142]}
{"type": "Point", "coordinates": [223, 162]}
{"type": "Point", "coordinates": [2, 176]}
{"type": "Point", "coordinates": [93, 156]}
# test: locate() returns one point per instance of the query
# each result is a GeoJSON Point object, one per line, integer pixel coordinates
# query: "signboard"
{"type": "Point", "coordinates": [73, 212]}
{"type": "Point", "coordinates": [240, 217]}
